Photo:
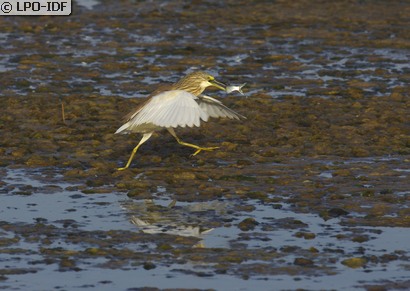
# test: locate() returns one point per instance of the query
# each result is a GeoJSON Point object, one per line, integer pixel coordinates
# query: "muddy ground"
{"type": "Point", "coordinates": [327, 134]}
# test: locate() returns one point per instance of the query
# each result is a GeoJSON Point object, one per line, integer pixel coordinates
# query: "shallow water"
{"type": "Point", "coordinates": [57, 204]}
{"type": "Point", "coordinates": [310, 192]}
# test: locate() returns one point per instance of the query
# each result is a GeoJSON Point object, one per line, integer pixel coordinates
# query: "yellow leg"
{"type": "Point", "coordinates": [198, 148]}
{"type": "Point", "coordinates": [144, 138]}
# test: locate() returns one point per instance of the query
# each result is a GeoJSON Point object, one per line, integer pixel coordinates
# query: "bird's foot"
{"type": "Point", "coordinates": [204, 149]}
{"type": "Point", "coordinates": [122, 169]}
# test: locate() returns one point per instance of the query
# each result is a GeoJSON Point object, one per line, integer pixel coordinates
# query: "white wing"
{"type": "Point", "coordinates": [215, 108]}
{"type": "Point", "coordinates": [167, 109]}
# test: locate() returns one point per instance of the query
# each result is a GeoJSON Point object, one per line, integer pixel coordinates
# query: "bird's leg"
{"type": "Point", "coordinates": [144, 138]}
{"type": "Point", "coordinates": [198, 148]}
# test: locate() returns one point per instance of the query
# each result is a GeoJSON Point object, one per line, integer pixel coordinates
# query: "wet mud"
{"type": "Point", "coordinates": [310, 191]}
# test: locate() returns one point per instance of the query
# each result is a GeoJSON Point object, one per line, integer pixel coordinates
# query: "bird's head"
{"type": "Point", "coordinates": [197, 82]}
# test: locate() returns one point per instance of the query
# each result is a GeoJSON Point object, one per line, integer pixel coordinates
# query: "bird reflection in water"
{"type": "Point", "coordinates": [171, 219]}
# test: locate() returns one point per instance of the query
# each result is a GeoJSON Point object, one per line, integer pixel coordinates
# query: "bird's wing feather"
{"type": "Point", "coordinates": [168, 109]}
{"type": "Point", "coordinates": [215, 108]}
{"type": "Point", "coordinates": [162, 88]}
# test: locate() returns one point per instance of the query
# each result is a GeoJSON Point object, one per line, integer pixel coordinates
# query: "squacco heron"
{"type": "Point", "coordinates": [177, 105]}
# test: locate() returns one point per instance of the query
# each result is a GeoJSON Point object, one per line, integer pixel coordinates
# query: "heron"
{"type": "Point", "coordinates": [181, 104]}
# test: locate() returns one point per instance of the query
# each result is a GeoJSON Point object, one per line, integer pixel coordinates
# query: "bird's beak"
{"type": "Point", "coordinates": [218, 85]}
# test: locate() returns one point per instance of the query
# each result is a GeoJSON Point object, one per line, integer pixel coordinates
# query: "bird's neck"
{"type": "Point", "coordinates": [195, 90]}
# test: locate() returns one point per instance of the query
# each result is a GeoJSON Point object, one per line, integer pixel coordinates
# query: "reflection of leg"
{"type": "Point", "coordinates": [198, 148]}
{"type": "Point", "coordinates": [144, 138]}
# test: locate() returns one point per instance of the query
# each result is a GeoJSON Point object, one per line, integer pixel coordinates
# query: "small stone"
{"type": "Point", "coordinates": [336, 212]}
{"type": "Point", "coordinates": [185, 176]}
{"type": "Point", "coordinates": [149, 266]}
{"type": "Point", "coordinates": [303, 262]}
{"type": "Point", "coordinates": [354, 263]}
{"type": "Point", "coordinates": [248, 224]}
